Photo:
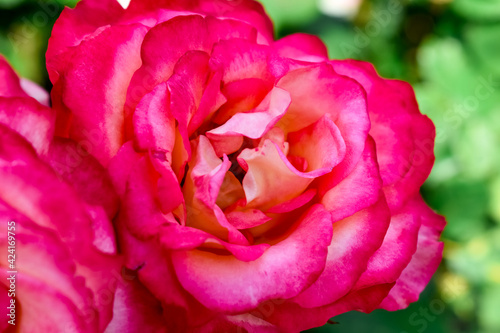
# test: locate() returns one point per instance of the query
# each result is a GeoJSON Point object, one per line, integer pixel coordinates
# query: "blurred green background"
{"type": "Point", "coordinates": [450, 51]}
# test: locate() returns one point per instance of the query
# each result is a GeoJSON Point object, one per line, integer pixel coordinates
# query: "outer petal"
{"type": "Point", "coordinates": [10, 85]}
{"type": "Point", "coordinates": [359, 190]}
{"type": "Point", "coordinates": [424, 262]}
{"type": "Point", "coordinates": [155, 271]}
{"type": "Point", "coordinates": [355, 240]}
{"type": "Point", "coordinates": [236, 323]}
{"type": "Point", "coordinates": [283, 271]}
{"type": "Point", "coordinates": [73, 25]}
{"type": "Point", "coordinates": [5, 302]}
{"type": "Point", "coordinates": [29, 118]}
{"type": "Point", "coordinates": [84, 173]}
{"type": "Point", "coordinates": [167, 42]}
{"type": "Point", "coordinates": [247, 11]}
{"type": "Point", "coordinates": [290, 317]}
{"type": "Point", "coordinates": [400, 243]}
{"type": "Point", "coordinates": [24, 178]}
{"type": "Point", "coordinates": [23, 114]}
{"type": "Point", "coordinates": [90, 90]}
{"type": "Point", "coordinates": [47, 288]}
{"type": "Point", "coordinates": [302, 47]}
{"type": "Point", "coordinates": [33, 188]}
{"type": "Point", "coordinates": [404, 137]}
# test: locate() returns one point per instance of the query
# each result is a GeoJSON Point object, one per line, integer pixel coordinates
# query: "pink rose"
{"type": "Point", "coordinates": [263, 186]}
{"type": "Point", "coordinates": [55, 217]}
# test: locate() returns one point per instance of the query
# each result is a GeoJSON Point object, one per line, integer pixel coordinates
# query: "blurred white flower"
{"type": "Point", "coordinates": [339, 8]}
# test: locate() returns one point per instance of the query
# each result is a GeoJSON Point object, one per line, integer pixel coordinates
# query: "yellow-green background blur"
{"type": "Point", "coordinates": [450, 51]}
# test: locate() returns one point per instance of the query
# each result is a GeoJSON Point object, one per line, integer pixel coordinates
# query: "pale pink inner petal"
{"type": "Point", "coordinates": [270, 178]}
{"type": "Point", "coordinates": [256, 123]}
{"type": "Point", "coordinates": [201, 189]}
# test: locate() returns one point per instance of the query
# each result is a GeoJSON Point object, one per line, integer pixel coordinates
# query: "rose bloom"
{"type": "Point", "coordinates": [263, 187]}
{"type": "Point", "coordinates": [55, 212]}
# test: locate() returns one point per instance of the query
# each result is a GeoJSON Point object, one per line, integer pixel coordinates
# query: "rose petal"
{"type": "Point", "coordinates": [400, 243]}
{"type": "Point", "coordinates": [32, 120]}
{"type": "Point", "coordinates": [237, 323]}
{"type": "Point", "coordinates": [294, 203]}
{"type": "Point", "coordinates": [154, 125]}
{"type": "Point", "coordinates": [84, 173]}
{"type": "Point", "coordinates": [109, 58]}
{"type": "Point", "coordinates": [245, 11]}
{"type": "Point", "coordinates": [323, 136]}
{"type": "Point", "coordinates": [270, 179]}
{"type": "Point", "coordinates": [242, 95]}
{"type": "Point", "coordinates": [358, 190]}
{"type": "Point", "coordinates": [355, 240]}
{"type": "Point", "coordinates": [247, 218]}
{"type": "Point", "coordinates": [167, 42]}
{"type": "Point", "coordinates": [30, 186]}
{"type": "Point", "coordinates": [242, 59]}
{"type": "Point", "coordinates": [121, 166]}
{"type": "Point", "coordinates": [46, 276]}
{"type": "Point", "coordinates": [206, 176]}
{"type": "Point", "coordinates": [290, 317]}
{"type": "Point", "coordinates": [141, 211]}
{"type": "Point", "coordinates": [136, 309]}
{"type": "Point", "coordinates": [186, 87]}
{"type": "Point", "coordinates": [73, 25]}
{"type": "Point", "coordinates": [175, 237]}
{"type": "Point", "coordinates": [35, 91]}
{"type": "Point", "coordinates": [273, 275]}
{"type": "Point", "coordinates": [256, 123]}
{"type": "Point", "coordinates": [155, 271]}
{"type": "Point", "coordinates": [424, 262]}
{"type": "Point", "coordinates": [404, 137]}
{"type": "Point", "coordinates": [269, 172]}
{"type": "Point", "coordinates": [251, 12]}
{"type": "Point", "coordinates": [302, 47]}
{"type": "Point", "coordinates": [10, 86]}
{"type": "Point", "coordinates": [338, 97]}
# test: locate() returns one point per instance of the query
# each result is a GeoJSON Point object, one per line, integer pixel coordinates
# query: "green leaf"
{"type": "Point", "coordinates": [485, 43]}
{"type": "Point", "coordinates": [444, 62]}
{"type": "Point", "coordinates": [290, 13]}
{"type": "Point", "coordinates": [477, 9]}
{"type": "Point", "coordinates": [489, 305]}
